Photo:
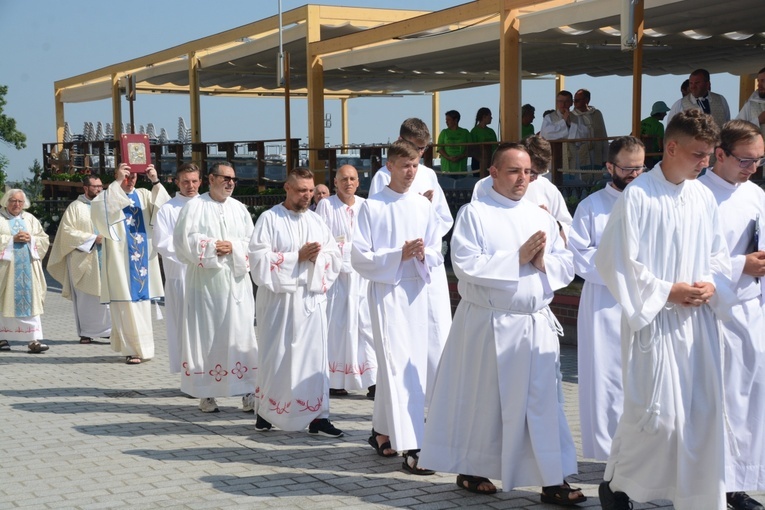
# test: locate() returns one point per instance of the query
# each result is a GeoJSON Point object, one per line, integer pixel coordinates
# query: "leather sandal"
{"type": "Point", "coordinates": [471, 483]}
{"type": "Point", "coordinates": [411, 459]}
{"type": "Point", "coordinates": [132, 360]}
{"type": "Point", "coordinates": [4, 345]}
{"type": "Point", "coordinates": [380, 448]}
{"type": "Point", "coordinates": [560, 495]}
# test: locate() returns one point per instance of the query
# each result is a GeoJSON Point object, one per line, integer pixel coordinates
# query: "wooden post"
{"type": "Point", "coordinates": [195, 115]}
{"type": "Point", "coordinates": [510, 74]}
{"type": "Point", "coordinates": [637, 69]}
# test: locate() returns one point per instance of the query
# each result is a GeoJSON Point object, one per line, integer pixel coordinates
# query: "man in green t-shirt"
{"type": "Point", "coordinates": [652, 133]}
{"type": "Point", "coordinates": [453, 157]}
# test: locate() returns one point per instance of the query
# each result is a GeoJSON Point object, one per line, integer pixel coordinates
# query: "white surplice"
{"type": "Point", "coordinates": [669, 441]}
{"type": "Point", "coordinates": [74, 262]}
{"type": "Point", "coordinates": [175, 273]}
{"type": "Point", "coordinates": [350, 346]}
{"type": "Point", "coordinates": [439, 301]}
{"type": "Point", "coordinates": [554, 128]}
{"type": "Point", "coordinates": [598, 330]}
{"type": "Point", "coordinates": [497, 407]}
{"type": "Point", "coordinates": [22, 296]}
{"type": "Point", "coordinates": [398, 303]}
{"type": "Point", "coordinates": [742, 206]}
{"type": "Point", "coordinates": [291, 306]}
{"type": "Point", "coordinates": [132, 330]}
{"type": "Point", "coordinates": [752, 109]}
{"type": "Point", "coordinates": [219, 354]}
{"type": "Point", "coordinates": [540, 191]}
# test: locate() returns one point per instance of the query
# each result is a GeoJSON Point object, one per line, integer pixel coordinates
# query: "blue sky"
{"type": "Point", "coordinates": [43, 42]}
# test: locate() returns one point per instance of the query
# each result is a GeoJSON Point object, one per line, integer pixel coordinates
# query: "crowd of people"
{"type": "Point", "coordinates": [352, 295]}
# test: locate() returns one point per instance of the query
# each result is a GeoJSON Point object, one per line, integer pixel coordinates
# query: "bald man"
{"type": "Point", "coordinates": [351, 351]}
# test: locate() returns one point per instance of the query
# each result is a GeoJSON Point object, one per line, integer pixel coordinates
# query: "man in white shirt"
{"type": "Point", "coordinates": [702, 98]}
{"type": "Point", "coordinates": [754, 109]}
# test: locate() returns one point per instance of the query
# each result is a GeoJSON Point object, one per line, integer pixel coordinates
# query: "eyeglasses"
{"type": "Point", "coordinates": [227, 178]}
{"type": "Point", "coordinates": [95, 185]}
{"type": "Point", "coordinates": [747, 162]}
{"type": "Point", "coordinates": [629, 169]}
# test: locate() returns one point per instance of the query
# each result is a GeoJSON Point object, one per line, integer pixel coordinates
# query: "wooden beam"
{"type": "Point", "coordinates": [116, 107]}
{"type": "Point", "coordinates": [344, 122]}
{"type": "Point", "coordinates": [747, 84]}
{"type": "Point", "coordinates": [637, 68]}
{"type": "Point", "coordinates": [424, 22]}
{"type": "Point", "coordinates": [315, 81]}
{"type": "Point", "coordinates": [60, 119]}
{"type": "Point", "coordinates": [510, 74]}
{"type": "Point", "coordinates": [435, 116]}
{"type": "Point", "coordinates": [195, 115]}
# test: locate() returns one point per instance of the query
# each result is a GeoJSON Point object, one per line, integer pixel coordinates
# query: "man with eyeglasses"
{"type": "Point", "coordinates": [600, 316]}
{"type": "Point", "coordinates": [219, 354]}
{"type": "Point", "coordinates": [295, 259]}
{"type": "Point", "coordinates": [664, 258]}
{"type": "Point", "coordinates": [130, 276]}
{"type": "Point", "coordinates": [415, 131]}
{"type": "Point", "coordinates": [188, 179]}
{"type": "Point", "coordinates": [754, 109]}
{"type": "Point", "coordinates": [75, 262]}
{"type": "Point", "coordinates": [742, 215]}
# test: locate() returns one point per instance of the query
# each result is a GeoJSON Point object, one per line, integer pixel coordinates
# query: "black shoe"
{"type": "Point", "coordinates": [610, 500]}
{"type": "Point", "coordinates": [742, 501]}
{"type": "Point", "coordinates": [262, 425]}
{"type": "Point", "coordinates": [324, 427]}
{"type": "Point", "coordinates": [371, 392]}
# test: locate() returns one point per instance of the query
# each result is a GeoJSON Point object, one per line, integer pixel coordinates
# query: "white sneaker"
{"type": "Point", "coordinates": [248, 403]}
{"type": "Point", "coordinates": [208, 405]}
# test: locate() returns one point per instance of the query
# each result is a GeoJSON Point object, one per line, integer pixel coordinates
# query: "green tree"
{"type": "Point", "coordinates": [8, 131]}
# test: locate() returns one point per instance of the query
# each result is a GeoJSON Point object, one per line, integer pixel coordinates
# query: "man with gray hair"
{"type": "Point", "coordinates": [75, 262]}
{"type": "Point", "coordinates": [23, 244]}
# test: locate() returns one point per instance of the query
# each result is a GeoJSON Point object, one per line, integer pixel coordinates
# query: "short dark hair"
{"type": "Point", "coordinates": [700, 72]}
{"type": "Point", "coordinates": [403, 149]}
{"type": "Point", "coordinates": [527, 108]}
{"type": "Point", "coordinates": [565, 93]}
{"type": "Point", "coordinates": [761, 71]}
{"type": "Point", "coordinates": [300, 172]}
{"type": "Point", "coordinates": [585, 93]}
{"type": "Point", "coordinates": [623, 143]}
{"type": "Point", "coordinates": [87, 178]}
{"type": "Point", "coordinates": [192, 167]}
{"type": "Point", "coordinates": [735, 131]}
{"type": "Point", "coordinates": [454, 114]}
{"type": "Point", "coordinates": [414, 128]}
{"type": "Point", "coordinates": [694, 124]}
{"type": "Point", "coordinates": [214, 168]}
{"type": "Point", "coordinates": [540, 151]}
{"type": "Point", "coordinates": [503, 148]}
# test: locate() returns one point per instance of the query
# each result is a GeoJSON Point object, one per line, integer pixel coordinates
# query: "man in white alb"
{"type": "Point", "coordinates": [75, 261]}
{"type": "Point", "coordinates": [351, 350]}
{"type": "Point", "coordinates": [188, 179]}
{"type": "Point", "coordinates": [742, 215]}
{"type": "Point", "coordinates": [754, 109]}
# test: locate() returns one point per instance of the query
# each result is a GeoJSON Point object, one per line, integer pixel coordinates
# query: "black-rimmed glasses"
{"type": "Point", "coordinates": [747, 162]}
{"type": "Point", "coordinates": [629, 169]}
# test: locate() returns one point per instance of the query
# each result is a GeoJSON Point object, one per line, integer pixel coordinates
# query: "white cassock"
{"type": "Point", "coordinates": [669, 441]}
{"type": "Point", "coordinates": [742, 206]}
{"type": "Point", "coordinates": [439, 301]}
{"type": "Point", "coordinates": [175, 273]}
{"type": "Point", "coordinates": [554, 128]}
{"type": "Point", "coordinates": [599, 348]}
{"type": "Point", "coordinates": [592, 153]}
{"type": "Point", "coordinates": [291, 306]}
{"type": "Point", "coordinates": [752, 109]}
{"type": "Point", "coordinates": [130, 276]}
{"type": "Point", "coordinates": [497, 407]}
{"type": "Point", "coordinates": [398, 303]}
{"type": "Point", "coordinates": [74, 262]}
{"type": "Point", "coordinates": [219, 354]}
{"type": "Point", "coordinates": [540, 191]}
{"type": "Point", "coordinates": [350, 346]}
{"type": "Point", "coordinates": [22, 282]}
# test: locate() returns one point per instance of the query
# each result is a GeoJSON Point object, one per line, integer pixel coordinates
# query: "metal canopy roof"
{"type": "Point", "coordinates": [581, 37]}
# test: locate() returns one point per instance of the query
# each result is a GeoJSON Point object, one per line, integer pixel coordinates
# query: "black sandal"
{"type": "Point", "coordinates": [36, 347]}
{"type": "Point", "coordinates": [413, 468]}
{"type": "Point", "coordinates": [380, 448]}
{"type": "Point", "coordinates": [559, 495]}
{"type": "Point", "coordinates": [470, 483]}
{"type": "Point", "coordinates": [4, 345]}
{"type": "Point", "coordinates": [132, 360]}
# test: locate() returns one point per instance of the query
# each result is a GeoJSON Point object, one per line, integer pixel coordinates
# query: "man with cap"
{"type": "Point", "coordinates": [652, 133]}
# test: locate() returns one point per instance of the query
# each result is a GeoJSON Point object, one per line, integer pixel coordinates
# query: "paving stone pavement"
{"type": "Point", "coordinates": [81, 429]}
